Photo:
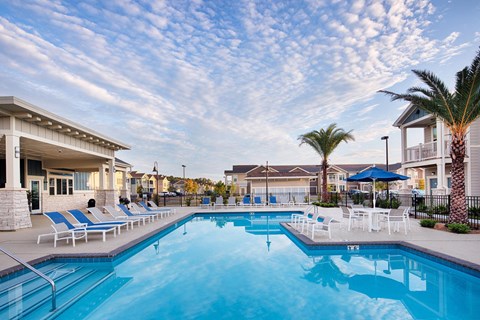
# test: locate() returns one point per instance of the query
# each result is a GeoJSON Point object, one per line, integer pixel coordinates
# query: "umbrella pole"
{"type": "Point", "coordinates": [374, 196]}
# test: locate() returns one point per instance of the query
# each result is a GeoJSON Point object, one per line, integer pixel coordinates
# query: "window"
{"type": "Point", "coordinates": [434, 133]}
{"type": "Point", "coordinates": [62, 185]}
{"type": "Point", "coordinates": [82, 180]}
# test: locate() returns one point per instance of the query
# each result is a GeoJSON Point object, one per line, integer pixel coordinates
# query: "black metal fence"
{"type": "Point", "coordinates": [435, 207]}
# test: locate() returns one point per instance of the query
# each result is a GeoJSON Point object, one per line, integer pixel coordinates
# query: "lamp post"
{"type": "Point", "coordinates": [155, 169]}
{"type": "Point", "coordinates": [266, 185]}
{"type": "Point", "coordinates": [386, 158]}
{"type": "Point", "coordinates": [184, 166]}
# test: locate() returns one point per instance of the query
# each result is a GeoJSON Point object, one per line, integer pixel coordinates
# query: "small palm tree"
{"type": "Point", "coordinates": [458, 110]}
{"type": "Point", "coordinates": [324, 142]}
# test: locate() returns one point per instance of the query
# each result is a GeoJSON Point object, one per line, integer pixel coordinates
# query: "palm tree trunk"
{"type": "Point", "coordinates": [458, 206]}
{"type": "Point", "coordinates": [324, 180]}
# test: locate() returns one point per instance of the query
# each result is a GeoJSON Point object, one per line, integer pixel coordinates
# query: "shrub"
{"type": "Point", "coordinates": [428, 223]}
{"type": "Point", "coordinates": [324, 204]}
{"type": "Point", "coordinates": [458, 228]}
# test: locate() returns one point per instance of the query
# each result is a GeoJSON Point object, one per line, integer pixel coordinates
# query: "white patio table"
{"type": "Point", "coordinates": [373, 214]}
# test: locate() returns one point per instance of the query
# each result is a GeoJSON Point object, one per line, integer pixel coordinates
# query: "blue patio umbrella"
{"type": "Point", "coordinates": [373, 174]}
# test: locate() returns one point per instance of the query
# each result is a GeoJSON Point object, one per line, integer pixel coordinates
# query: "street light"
{"type": "Point", "coordinates": [266, 185]}
{"type": "Point", "coordinates": [184, 166]}
{"type": "Point", "coordinates": [386, 157]}
{"type": "Point", "coordinates": [155, 169]}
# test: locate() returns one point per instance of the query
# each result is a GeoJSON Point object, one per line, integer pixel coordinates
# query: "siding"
{"type": "Point", "coordinates": [474, 155]}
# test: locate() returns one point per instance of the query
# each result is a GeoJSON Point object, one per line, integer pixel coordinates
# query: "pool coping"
{"type": "Point", "coordinates": [307, 242]}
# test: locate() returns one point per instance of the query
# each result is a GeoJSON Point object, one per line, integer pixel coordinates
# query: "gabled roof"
{"type": "Point", "coordinates": [241, 168]}
{"type": "Point", "coordinates": [414, 116]}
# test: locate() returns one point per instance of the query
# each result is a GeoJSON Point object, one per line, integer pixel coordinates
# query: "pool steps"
{"type": "Point", "coordinates": [28, 297]}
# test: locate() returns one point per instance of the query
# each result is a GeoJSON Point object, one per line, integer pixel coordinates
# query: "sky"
{"type": "Point", "coordinates": [211, 84]}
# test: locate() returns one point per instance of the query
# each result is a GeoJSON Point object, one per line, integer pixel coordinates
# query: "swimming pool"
{"type": "Point", "coordinates": [244, 266]}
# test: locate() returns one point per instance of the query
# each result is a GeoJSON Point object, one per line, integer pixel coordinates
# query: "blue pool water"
{"type": "Point", "coordinates": [244, 266]}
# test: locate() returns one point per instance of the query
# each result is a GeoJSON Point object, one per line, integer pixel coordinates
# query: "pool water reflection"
{"type": "Point", "coordinates": [244, 267]}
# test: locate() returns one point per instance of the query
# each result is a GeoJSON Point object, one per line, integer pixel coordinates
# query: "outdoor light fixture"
{"type": "Point", "coordinates": [17, 152]}
{"type": "Point", "coordinates": [184, 166]}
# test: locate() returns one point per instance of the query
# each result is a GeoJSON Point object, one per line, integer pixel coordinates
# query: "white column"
{"type": "Point", "coordinates": [403, 139]}
{"type": "Point", "coordinates": [101, 177]}
{"type": "Point", "coordinates": [111, 174]}
{"type": "Point", "coordinates": [12, 160]}
{"type": "Point", "coordinates": [442, 179]}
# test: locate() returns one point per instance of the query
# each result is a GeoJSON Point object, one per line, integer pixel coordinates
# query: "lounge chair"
{"type": "Point", "coordinates": [83, 219]}
{"type": "Point", "coordinates": [57, 218]}
{"type": "Point", "coordinates": [286, 202]}
{"type": "Point", "coordinates": [219, 202]}
{"type": "Point", "coordinates": [62, 232]}
{"type": "Point", "coordinates": [122, 216]}
{"type": "Point", "coordinates": [154, 207]}
{"type": "Point", "coordinates": [137, 209]}
{"type": "Point", "coordinates": [257, 201]}
{"type": "Point", "coordinates": [232, 202]}
{"type": "Point", "coordinates": [101, 217]}
{"type": "Point", "coordinates": [246, 202]}
{"type": "Point", "coordinates": [323, 226]}
{"type": "Point", "coordinates": [125, 210]}
{"type": "Point", "coordinates": [273, 202]}
{"type": "Point", "coordinates": [206, 203]}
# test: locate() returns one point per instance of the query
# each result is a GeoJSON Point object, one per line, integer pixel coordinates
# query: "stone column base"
{"type": "Point", "coordinates": [14, 212]}
{"type": "Point", "coordinates": [105, 198]}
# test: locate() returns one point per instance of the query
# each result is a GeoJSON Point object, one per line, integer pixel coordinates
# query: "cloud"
{"type": "Point", "coordinates": [191, 79]}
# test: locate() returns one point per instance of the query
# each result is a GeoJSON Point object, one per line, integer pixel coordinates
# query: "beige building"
{"type": "Point", "coordinates": [430, 160]}
{"type": "Point", "coordinates": [60, 163]}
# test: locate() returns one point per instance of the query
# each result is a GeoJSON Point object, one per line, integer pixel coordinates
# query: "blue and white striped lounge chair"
{"type": "Point", "coordinates": [137, 209]}
{"type": "Point", "coordinates": [98, 214]}
{"type": "Point", "coordinates": [273, 202]}
{"type": "Point", "coordinates": [257, 201]}
{"type": "Point", "coordinates": [166, 211]}
{"type": "Point", "coordinates": [125, 210]}
{"type": "Point", "coordinates": [57, 218]}
{"type": "Point", "coordinates": [122, 216]}
{"type": "Point", "coordinates": [246, 202]}
{"type": "Point", "coordinates": [205, 203]}
{"type": "Point", "coordinates": [83, 219]}
{"type": "Point", "coordinates": [62, 232]}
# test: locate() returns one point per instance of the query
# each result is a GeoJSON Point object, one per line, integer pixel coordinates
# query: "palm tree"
{"type": "Point", "coordinates": [458, 110]}
{"type": "Point", "coordinates": [324, 142]}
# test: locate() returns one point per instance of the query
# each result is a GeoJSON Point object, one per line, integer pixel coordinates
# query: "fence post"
{"type": "Point", "coordinates": [415, 204]}
{"type": "Point", "coordinates": [164, 200]}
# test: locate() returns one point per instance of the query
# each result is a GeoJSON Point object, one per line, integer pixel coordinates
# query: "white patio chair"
{"type": "Point", "coordinates": [395, 217]}
{"type": "Point", "coordinates": [323, 226]}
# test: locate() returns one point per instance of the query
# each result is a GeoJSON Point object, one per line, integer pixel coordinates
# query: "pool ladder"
{"type": "Point", "coordinates": [38, 273]}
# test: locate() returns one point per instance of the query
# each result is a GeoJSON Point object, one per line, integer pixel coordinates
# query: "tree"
{"type": "Point", "coordinates": [220, 188]}
{"type": "Point", "coordinates": [191, 186]}
{"type": "Point", "coordinates": [324, 142]}
{"type": "Point", "coordinates": [457, 109]}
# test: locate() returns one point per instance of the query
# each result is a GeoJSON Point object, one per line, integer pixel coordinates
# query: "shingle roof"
{"type": "Point", "coordinates": [312, 169]}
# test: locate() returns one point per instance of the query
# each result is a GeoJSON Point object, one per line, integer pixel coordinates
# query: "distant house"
{"type": "Point", "coordinates": [148, 182]}
{"type": "Point", "coordinates": [179, 186]}
{"type": "Point", "coordinates": [430, 160]}
{"type": "Point", "coordinates": [296, 179]}
{"type": "Point", "coordinates": [60, 163]}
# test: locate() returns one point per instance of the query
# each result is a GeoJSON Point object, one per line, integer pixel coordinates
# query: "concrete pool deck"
{"type": "Point", "coordinates": [23, 243]}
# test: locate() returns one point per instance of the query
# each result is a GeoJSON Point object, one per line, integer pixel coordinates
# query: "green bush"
{"type": "Point", "coordinates": [458, 228]}
{"type": "Point", "coordinates": [428, 223]}
{"type": "Point", "coordinates": [384, 203]}
{"type": "Point", "coordinates": [324, 204]}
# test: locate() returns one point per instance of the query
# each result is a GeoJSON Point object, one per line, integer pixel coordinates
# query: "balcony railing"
{"type": "Point", "coordinates": [427, 151]}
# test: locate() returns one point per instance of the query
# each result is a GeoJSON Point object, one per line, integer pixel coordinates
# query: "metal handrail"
{"type": "Point", "coordinates": [38, 273]}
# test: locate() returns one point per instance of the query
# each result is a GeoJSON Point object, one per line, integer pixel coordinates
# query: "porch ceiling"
{"type": "Point", "coordinates": [54, 156]}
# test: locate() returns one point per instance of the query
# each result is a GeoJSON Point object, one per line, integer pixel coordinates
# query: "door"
{"type": "Point", "coordinates": [36, 204]}
{"type": "Point", "coordinates": [433, 184]}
